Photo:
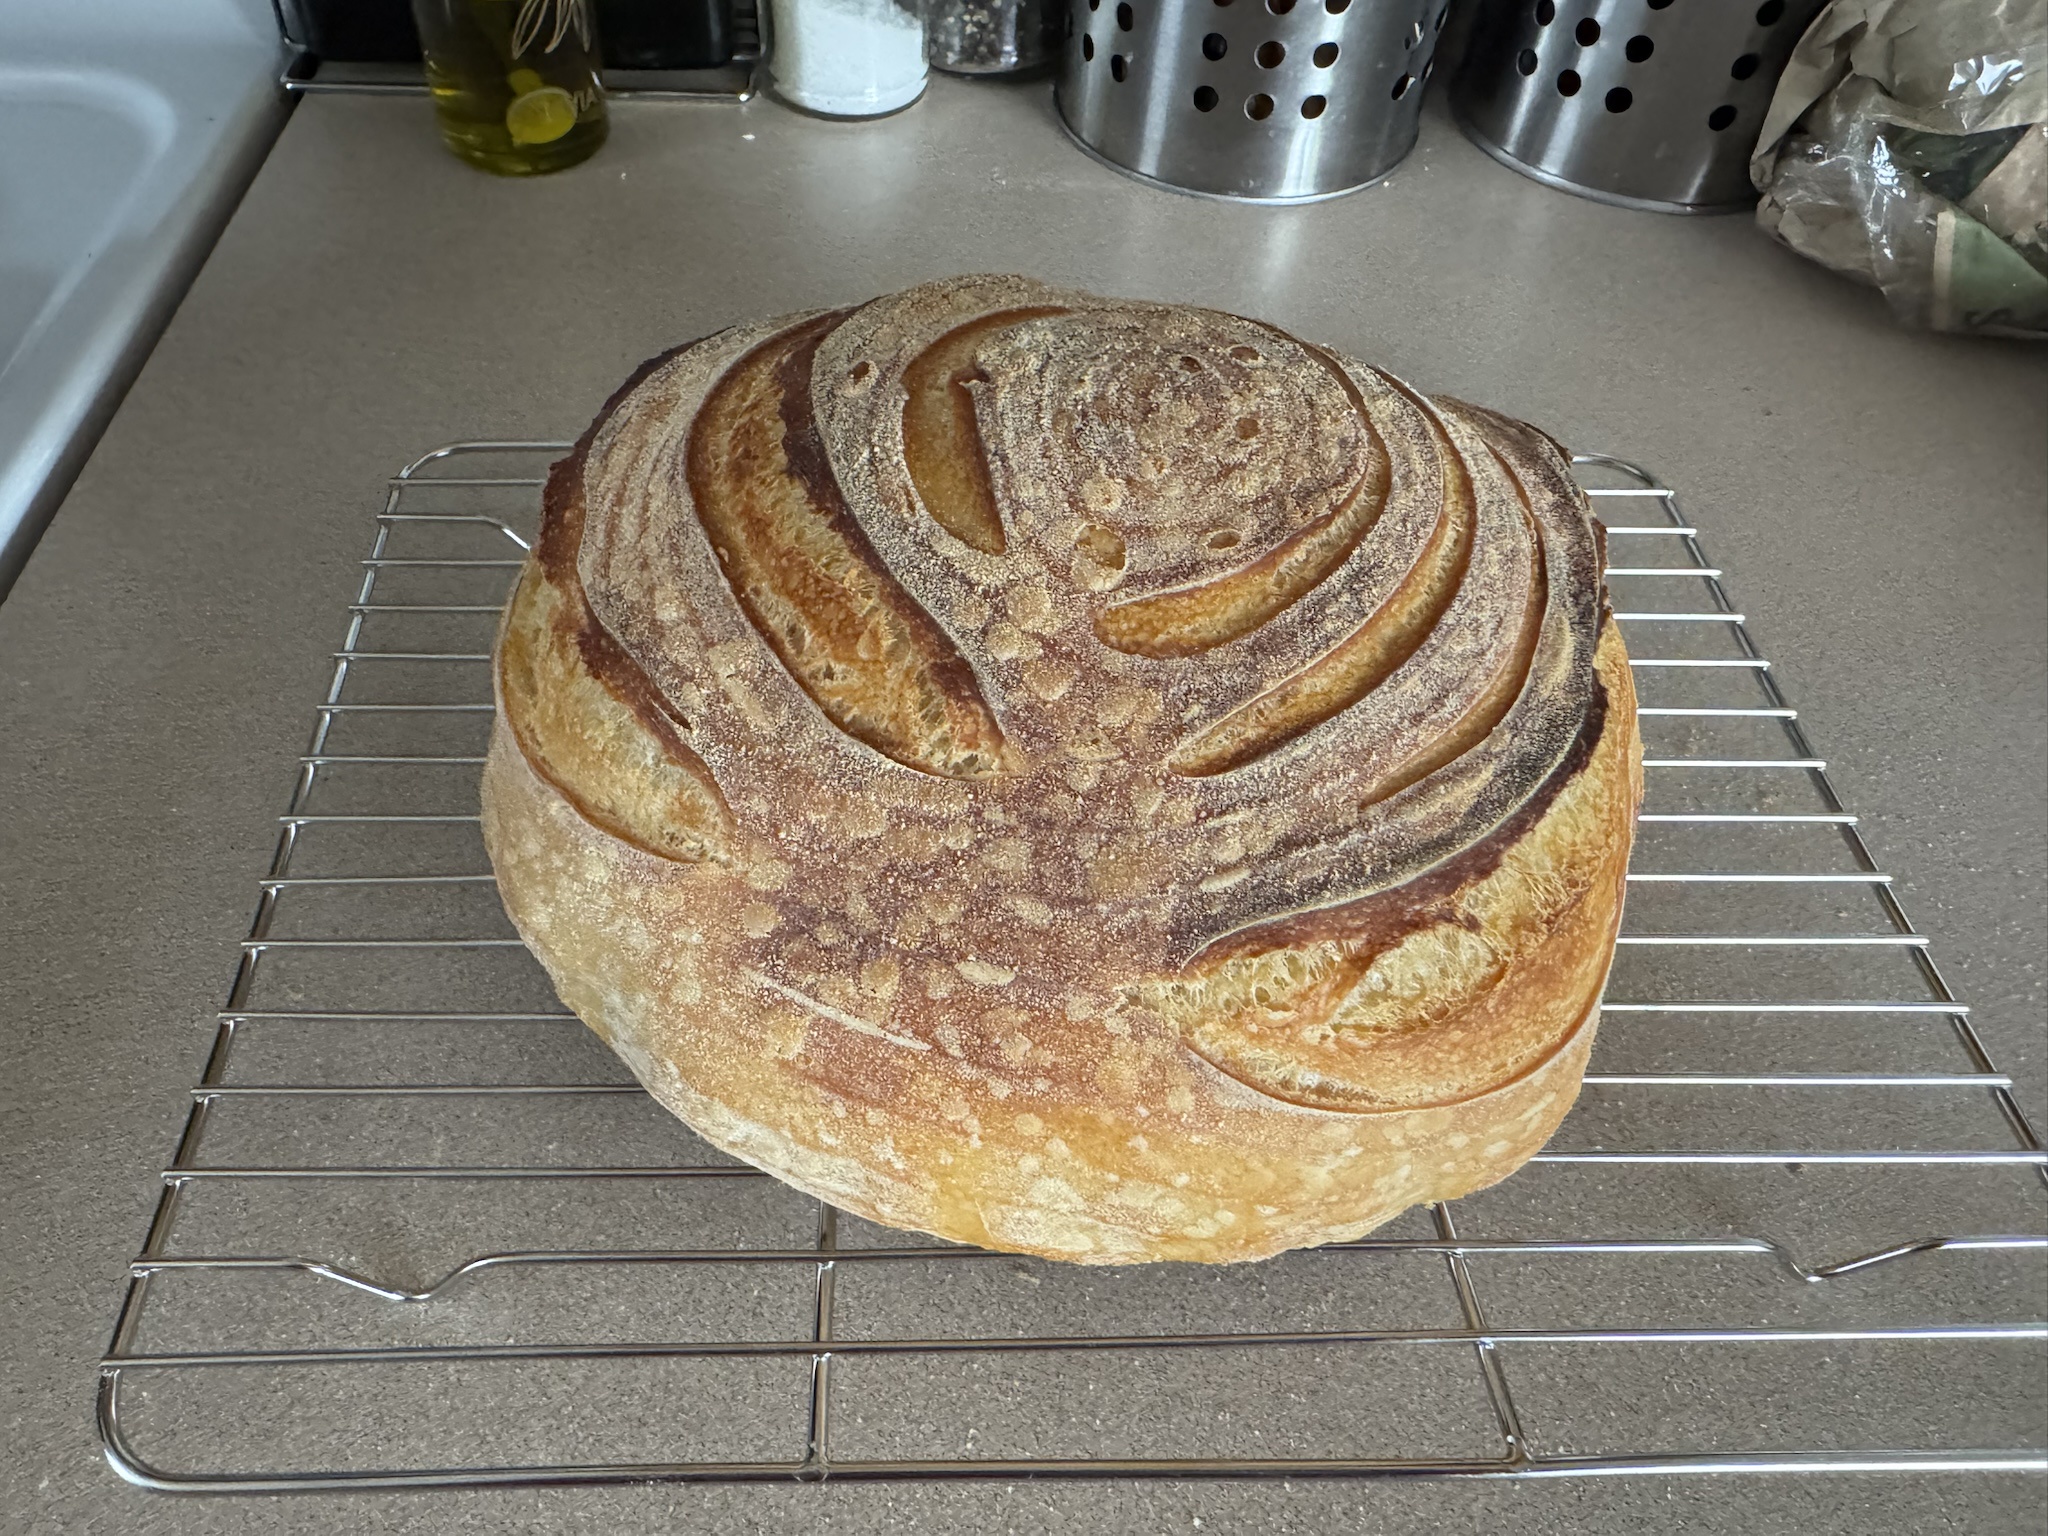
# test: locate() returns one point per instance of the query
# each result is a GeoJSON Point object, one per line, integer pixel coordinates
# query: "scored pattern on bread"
{"type": "Point", "coordinates": [1110, 767]}
{"type": "Point", "coordinates": [941, 441]}
{"type": "Point", "coordinates": [1365, 658]}
{"type": "Point", "coordinates": [588, 718]}
{"type": "Point", "coordinates": [1187, 620]}
{"type": "Point", "coordinates": [800, 566]}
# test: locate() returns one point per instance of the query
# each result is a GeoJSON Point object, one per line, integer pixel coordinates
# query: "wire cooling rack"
{"type": "Point", "coordinates": [422, 1229]}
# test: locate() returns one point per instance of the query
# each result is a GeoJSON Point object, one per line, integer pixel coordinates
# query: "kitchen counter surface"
{"type": "Point", "coordinates": [1878, 498]}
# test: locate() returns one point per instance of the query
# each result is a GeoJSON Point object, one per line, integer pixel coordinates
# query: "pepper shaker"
{"type": "Point", "coordinates": [992, 37]}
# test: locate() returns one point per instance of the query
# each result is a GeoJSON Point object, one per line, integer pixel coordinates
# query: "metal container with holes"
{"type": "Point", "coordinates": [1281, 101]}
{"type": "Point", "coordinates": [1648, 103]}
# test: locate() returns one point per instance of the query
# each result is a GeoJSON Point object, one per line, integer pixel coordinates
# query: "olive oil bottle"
{"type": "Point", "coordinates": [515, 82]}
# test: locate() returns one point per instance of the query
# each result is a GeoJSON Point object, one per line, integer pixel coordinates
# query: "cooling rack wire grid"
{"type": "Point", "coordinates": [422, 1229]}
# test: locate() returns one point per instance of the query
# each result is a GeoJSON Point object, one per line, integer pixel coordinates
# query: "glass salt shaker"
{"type": "Point", "coordinates": [992, 37]}
{"type": "Point", "coordinates": [847, 58]}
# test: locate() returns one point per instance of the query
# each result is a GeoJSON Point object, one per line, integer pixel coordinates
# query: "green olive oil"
{"type": "Point", "coordinates": [515, 82]}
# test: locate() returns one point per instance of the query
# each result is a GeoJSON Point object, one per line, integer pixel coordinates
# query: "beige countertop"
{"type": "Point", "coordinates": [1879, 500]}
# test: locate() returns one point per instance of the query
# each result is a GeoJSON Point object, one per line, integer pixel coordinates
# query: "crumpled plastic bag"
{"type": "Point", "coordinates": [1907, 146]}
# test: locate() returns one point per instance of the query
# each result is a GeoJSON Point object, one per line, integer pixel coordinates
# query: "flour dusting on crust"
{"type": "Point", "coordinates": [1172, 783]}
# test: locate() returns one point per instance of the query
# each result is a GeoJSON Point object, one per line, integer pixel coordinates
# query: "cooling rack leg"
{"type": "Point", "coordinates": [817, 1446]}
{"type": "Point", "coordinates": [1505, 1415]}
{"type": "Point", "coordinates": [107, 1413]}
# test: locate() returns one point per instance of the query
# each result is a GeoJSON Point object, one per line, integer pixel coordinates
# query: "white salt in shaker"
{"type": "Point", "coordinates": [847, 58]}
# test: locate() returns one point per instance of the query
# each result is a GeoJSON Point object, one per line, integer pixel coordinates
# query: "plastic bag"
{"type": "Point", "coordinates": [1907, 146]}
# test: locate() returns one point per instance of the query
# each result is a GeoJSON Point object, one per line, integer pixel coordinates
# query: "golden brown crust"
{"type": "Point", "coordinates": [941, 441]}
{"type": "Point", "coordinates": [810, 582]}
{"type": "Point", "coordinates": [1111, 781]}
{"type": "Point", "coordinates": [587, 717]}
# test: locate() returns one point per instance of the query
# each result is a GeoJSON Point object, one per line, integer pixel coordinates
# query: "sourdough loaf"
{"type": "Point", "coordinates": [1096, 779]}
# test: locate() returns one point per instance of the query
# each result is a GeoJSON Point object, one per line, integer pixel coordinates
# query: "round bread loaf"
{"type": "Point", "coordinates": [1095, 779]}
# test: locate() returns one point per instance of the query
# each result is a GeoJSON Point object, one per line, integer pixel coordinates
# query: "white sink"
{"type": "Point", "coordinates": [96, 134]}
{"type": "Point", "coordinates": [127, 129]}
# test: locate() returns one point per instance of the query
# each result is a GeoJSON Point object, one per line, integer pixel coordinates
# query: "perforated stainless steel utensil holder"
{"type": "Point", "coordinates": [1648, 103]}
{"type": "Point", "coordinates": [1280, 101]}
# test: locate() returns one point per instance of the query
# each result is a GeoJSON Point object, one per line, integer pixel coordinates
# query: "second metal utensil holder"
{"type": "Point", "coordinates": [1263, 100]}
{"type": "Point", "coordinates": [1647, 103]}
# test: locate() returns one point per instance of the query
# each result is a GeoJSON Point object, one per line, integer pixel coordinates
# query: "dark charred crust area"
{"type": "Point", "coordinates": [556, 547]}
{"type": "Point", "coordinates": [1376, 923]}
{"type": "Point", "coordinates": [606, 660]}
{"type": "Point", "coordinates": [561, 521]}
{"type": "Point", "coordinates": [1600, 554]}
{"type": "Point", "coordinates": [1528, 433]}
{"type": "Point", "coordinates": [801, 444]}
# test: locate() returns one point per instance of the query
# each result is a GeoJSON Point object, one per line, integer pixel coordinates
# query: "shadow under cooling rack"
{"type": "Point", "coordinates": [422, 1228]}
